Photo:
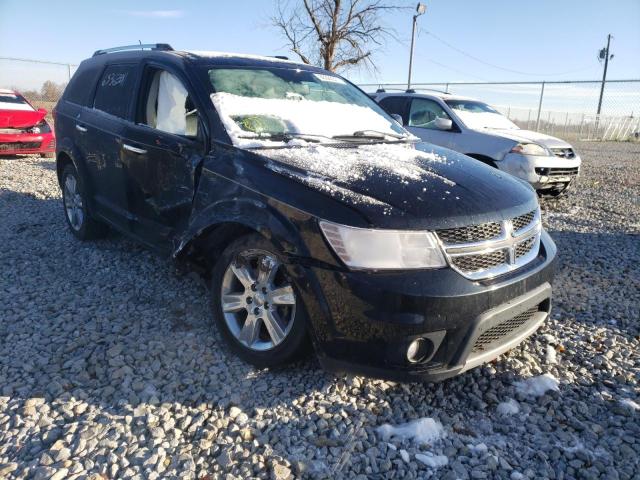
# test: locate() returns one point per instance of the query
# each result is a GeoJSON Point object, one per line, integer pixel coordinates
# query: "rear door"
{"type": "Point", "coordinates": [422, 113]}
{"type": "Point", "coordinates": [163, 152]}
{"type": "Point", "coordinates": [99, 132]}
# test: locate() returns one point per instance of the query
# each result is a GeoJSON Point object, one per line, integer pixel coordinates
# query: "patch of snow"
{"type": "Point", "coordinates": [214, 54]}
{"type": "Point", "coordinates": [549, 338]}
{"type": "Point", "coordinates": [431, 460]}
{"type": "Point", "coordinates": [405, 455]}
{"type": "Point", "coordinates": [422, 431]}
{"type": "Point", "coordinates": [349, 165]}
{"type": "Point", "coordinates": [537, 386]}
{"type": "Point", "coordinates": [509, 407]}
{"type": "Point", "coordinates": [550, 355]}
{"type": "Point", "coordinates": [627, 402]}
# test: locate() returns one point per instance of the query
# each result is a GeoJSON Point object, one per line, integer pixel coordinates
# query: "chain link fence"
{"type": "Point", "coordinates": [564, 109]}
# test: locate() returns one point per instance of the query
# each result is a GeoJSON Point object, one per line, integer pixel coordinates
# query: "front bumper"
{"type": "Point", "coordinates": [542, 172]}
{"type": "Point", "coordinates": [27, 143]}
{"type": "Point", "coordinates": [363, 322]}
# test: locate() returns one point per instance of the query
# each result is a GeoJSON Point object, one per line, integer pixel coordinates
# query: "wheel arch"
{"type": "Point", "coordinates": [218, 225]}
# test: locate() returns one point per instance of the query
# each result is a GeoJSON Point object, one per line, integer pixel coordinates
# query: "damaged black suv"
{"type": "Point", "coordinates": [314, 215]}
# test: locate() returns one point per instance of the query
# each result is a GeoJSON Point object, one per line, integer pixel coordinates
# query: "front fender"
{"type": "Point", "coordinates": [267, 218]}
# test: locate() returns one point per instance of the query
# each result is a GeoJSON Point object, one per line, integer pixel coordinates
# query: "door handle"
{"type": "Point", "coordinates": [131, 148]}
{"type": "Point", "coordinates": [80, 128]}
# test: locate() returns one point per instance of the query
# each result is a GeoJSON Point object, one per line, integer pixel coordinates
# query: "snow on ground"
{"type": "Point", "coordinates": [509, 407]}
{"type": "Point", "coordinates": [537, 386]}
{"type": "Point", "coordinates": [550, 355]}
{"type": "Point", "coordinates": [627, 402]}
{"type": "Point", "coordinates": [421, 431]}
{"type": "Point", "coordinates": [431, 460]}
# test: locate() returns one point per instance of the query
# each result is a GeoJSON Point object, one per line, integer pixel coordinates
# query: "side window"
{"type": "Point", "coordinates": [423, 113]}
{"type": "Point", "coordinates": [394, 105]}
{"type": "Point", "coordinates": [115, 88]}
{"type": "Point", "coordinates": [165, 104]}
{"type": "Point", "coordinates": [81, 86]}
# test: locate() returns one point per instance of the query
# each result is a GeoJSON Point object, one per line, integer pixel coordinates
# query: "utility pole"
{"type": "Point", "coordinates": [604, 53]}
{"type": "Point", "coordinates": [420, 9]}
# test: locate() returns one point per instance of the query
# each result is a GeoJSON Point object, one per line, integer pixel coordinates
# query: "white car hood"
{"type": "Point", "coordinates": [528, 136]}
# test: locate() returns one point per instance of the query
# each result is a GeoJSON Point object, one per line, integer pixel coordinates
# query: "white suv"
{"type": "Point", "coordinates": [474, 128]}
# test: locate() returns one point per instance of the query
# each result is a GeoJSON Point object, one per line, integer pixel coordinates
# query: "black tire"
{"type": "Point", "coordinates": [294, 343]}
{"type": "Point", "coordinates": [88, 228]}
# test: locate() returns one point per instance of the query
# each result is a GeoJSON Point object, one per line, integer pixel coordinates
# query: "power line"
{"type": "Point", "coordinates": [497, 66]}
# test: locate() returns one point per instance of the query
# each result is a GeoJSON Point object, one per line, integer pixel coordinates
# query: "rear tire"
{"type": "Point", "coordinates": [74, 201]}
{"type": "Point", "coordinates": [255, 304]}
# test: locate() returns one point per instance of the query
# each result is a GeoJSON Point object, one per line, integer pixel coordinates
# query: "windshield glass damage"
{"type": "Point", "coordinates": [265, 107]}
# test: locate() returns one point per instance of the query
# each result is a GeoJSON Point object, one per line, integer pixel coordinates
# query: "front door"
{"type": "Point", "coordinates": [421, 122]}
{"type": "Point", "coordinates": [162, 155]}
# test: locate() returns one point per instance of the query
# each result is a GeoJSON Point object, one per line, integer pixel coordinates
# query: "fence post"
{"type": "Point", "coordinates": [566, 124]}
{"type": "Point", "coordinates": [540, 106]}
{"type": "Point", "coordinates": [69, 70]}
{"type": "Point", "coordinates": [581, 125]}
{"type": "Point", "coordinates": [528, 119]}
{"type": "Point", "coordinates": [446, 88]}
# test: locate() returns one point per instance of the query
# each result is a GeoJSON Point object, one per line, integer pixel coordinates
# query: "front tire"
{"type": "Point", "coordinates": [255, 304]}
{"type": "Point", "coordinates": [74, 200]}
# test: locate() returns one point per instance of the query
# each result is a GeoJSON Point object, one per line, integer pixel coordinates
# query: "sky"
{"type": "Point", "coordinates": [458, 40]}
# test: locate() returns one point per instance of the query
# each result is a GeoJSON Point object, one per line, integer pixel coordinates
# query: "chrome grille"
{"type": "Point", "coordinates": [495, 335]}
{"type": "Point", "coordinates": [525, 247]}
{"type": "Point", "coordinates": [476, 263]}
{"type": "Point", "coordinates": [473, 233]}
{"type": "Point", "coordinates": [523, 221]}
{"type": "Point", "coordinates": [557, 172]}
{"type": "Point", "coordinates": [490, 249]}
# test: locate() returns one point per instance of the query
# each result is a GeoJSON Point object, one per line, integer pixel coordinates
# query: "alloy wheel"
{"type": "Point", "coordinates": [73, 202]}
{"type": "Point", "coordinates": [258, 301]}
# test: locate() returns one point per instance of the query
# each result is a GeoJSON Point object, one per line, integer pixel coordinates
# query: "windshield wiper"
{"type": "Point", "coordinates": [372, 135]}
{"type": "Point", "coordinates": [285, 137]}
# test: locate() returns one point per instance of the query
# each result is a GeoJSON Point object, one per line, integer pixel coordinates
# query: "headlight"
{"type": "Point", "coordinates": [383, 249]}
{"type": "Point", "coordinates": [530, 149]}
{"type": "Point", "coordinates": [42, 127]}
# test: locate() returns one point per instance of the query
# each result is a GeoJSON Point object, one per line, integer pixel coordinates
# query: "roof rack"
{"type": "Point", "coordinates": [281, 57]}
{"type": "Point", "coordinates": [141, 46]}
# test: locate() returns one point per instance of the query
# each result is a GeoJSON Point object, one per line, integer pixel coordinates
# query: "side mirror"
{"type": "Point", "coordinates": [397, 118]}
{"type": "Point", "coordinates": [43, 110]}
{"type": "Point", "coordinates": [443, 124]}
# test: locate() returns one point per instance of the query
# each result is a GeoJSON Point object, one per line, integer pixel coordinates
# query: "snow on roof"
{"type": "Point", "coordinates": [215, 54]}
{"type": "Point", "coordinates": [6, 90]}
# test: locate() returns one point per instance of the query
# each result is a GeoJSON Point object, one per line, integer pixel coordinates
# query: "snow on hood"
{"type": "Point", "coordinates": [531, 136]}
{"type": "Point", "coordinates": [18, 118]}
{"type": "Point", "coordinates": [299, 116]}
{"type": "Point", "coordinates": [402, 180]}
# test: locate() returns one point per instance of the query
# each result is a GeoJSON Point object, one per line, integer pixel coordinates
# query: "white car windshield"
{"type": "Point", "coordinates": [477, 115]}
{"type": "Point", "coordinates": [265, 107]}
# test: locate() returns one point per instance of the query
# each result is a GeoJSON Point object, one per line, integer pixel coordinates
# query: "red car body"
{"type": "Point", "coordinates": [23, 128]}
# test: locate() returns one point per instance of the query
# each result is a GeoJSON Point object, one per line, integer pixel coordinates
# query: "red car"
{"type": "Point", "coordinates": [23, 129]}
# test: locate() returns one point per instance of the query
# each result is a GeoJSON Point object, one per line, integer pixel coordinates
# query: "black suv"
{"type": "Point", "coordinates": [314, 214]}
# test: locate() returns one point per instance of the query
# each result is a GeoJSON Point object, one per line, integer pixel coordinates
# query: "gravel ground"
{"type": "Point", "coordinates": [110, 368]}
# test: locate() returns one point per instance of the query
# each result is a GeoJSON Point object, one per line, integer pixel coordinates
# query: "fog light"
{"type": "Point", "coordinates": [418, 350]}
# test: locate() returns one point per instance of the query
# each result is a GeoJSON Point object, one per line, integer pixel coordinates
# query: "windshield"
{"type": "Point", "coordinates": [476, 114]}
{"type": "Point", "coordinates": [11, 101]}
{"type": "Point", "coordinates": [264, 107]}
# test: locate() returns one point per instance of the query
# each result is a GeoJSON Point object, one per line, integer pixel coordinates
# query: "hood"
{"type": "Point", "coordinates": [530, 136]}
{"type": "Point", "coordinates": [406, 186]}
{"type": "Point", "coordinates": [20, 118]}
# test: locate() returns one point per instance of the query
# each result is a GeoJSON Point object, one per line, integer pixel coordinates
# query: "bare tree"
{"type": "Point", "coordinates": [334, 34]}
